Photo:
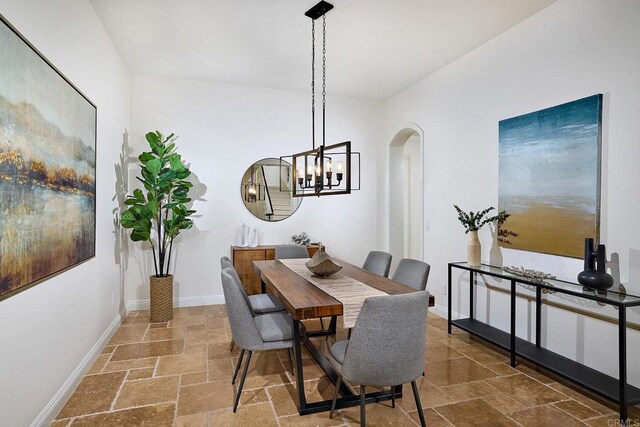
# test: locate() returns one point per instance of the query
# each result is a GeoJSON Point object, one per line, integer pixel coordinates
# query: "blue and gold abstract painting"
{"type": "Point", "coordinates": [47, 168]}
{"type": "Point", "coordinates": [549, 177]}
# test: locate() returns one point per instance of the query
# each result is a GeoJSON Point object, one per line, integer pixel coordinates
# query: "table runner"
{"type": "Point", "coordinates": [350, 292]}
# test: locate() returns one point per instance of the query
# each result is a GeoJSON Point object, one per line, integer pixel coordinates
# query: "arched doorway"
{"type": "Point", "coordinates": [406, 193]}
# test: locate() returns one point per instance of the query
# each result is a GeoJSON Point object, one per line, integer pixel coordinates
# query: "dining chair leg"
{"type": "Point", "coordinates": [244, 375]}
{"type": "Point", "coordinates": [362, 416]}
{"type": "Point", "coordinates": [235, 373]}
{"type": "Point", "coordinates": [349, 334]}
{"type": "Point", "coordinates": [290, 353]}
{"type": "Point", "coordinates": [231, 345]}
{"type": "Point", "coordinates": [393, 396]}
{"type": "Point", "coordinates": [418, 404]}
{"type": "Point", "coordinates": [335, 396]}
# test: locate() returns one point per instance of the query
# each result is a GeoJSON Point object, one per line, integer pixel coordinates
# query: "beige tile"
{"type": "Point", "coordinates": [205, 397]}
{"type": "Point", "coordinates": [181, 364]}
{"type": "Point", "coordinates": [544, 415]}
{"type": "Point", "coordinates": [164, 334]}
{"type": "Point", "coordinates": [435, 354]}
{"type": "Point", "coordinates": [221, 369]}
{"type": "Point", "coordinates": [206, 336]}
{"type": "Point", "coordinates": [456, 371]}
{"type": "Point", "coordinates": [138, 374]}
{"type": "Point", "coordinates": [156, 416]}
{"type": "Point", "coordinates": [221, 349]}
{"type": "Point", "coordinates": [526, 390]}
{"type": "Point", "coordinates": [502, 369]}
{"type": "Point", "coordinates": [129, 334]}
{"type": "Point", "coordinates": [99, 364]}
{"type": "Point", "coordinates": [259, 415]}
{"type": "Point", "coordinates": [147, 391]}
{"type": "Point", "coordinates": [313, 420]}
{"type": "Point", "coordinates": [576, 409]}
{"type": "Point", "coordinates": [468, 391]}
{"type": "Point", "coordinates": [61, 423]}
{"type": "Point", "coordinates": [586, 399]}
{"type": "Point", "coordinates": [146, 350]}
{"type": "Point", "coordinates": [187, 321]}
{"type": "Point", "coordinates": [505, 403]}
{"type": "Point", "coordinates": [193, 420]}
{"type": "Point", "coordinates": [250, 397]}
{"type": "Point", "coordinates": [537, 374]}
{"type": "Point", "coordinates": [108, 349]}
{"type": "Point", "coordinates": [474, 413]}
{"type": "Point", "coordinates": [95, 393]}
{"type": "Point", "coordinates": [379, 414]}
{"type": "Point", "coordinates": [431, 417]}
{"type": "Point", "coordinates": [158, 325]}
{"type": "Point", "coordinates": [131, 364]}
{"type": "Point", "coordinates": [430, 395]}
{"type": "Point", "coordinates": [195, 378]}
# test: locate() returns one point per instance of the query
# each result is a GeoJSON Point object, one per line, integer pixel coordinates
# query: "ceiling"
{"type": "Point", "coordinates": [375, 48]}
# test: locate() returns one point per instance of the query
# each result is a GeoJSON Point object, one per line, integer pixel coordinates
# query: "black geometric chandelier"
{"type": "Point", "coordinates": [326, 169]}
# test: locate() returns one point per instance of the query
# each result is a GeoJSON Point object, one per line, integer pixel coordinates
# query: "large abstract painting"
{"type": "Point", "coordinates": [549, 178]}
{"type": "Point", "coordinates": [47, 167]}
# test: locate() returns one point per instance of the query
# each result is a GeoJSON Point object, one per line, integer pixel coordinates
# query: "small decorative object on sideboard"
{"type": "Point", "coordinates": [595, 267]}
{"type": "Point", "coordinates": [300, 239]}
{"type": "Point", "coordinates": [472, 222]}
{"type": "Point", "coordinates": [533, 275]}
{"type": "Point", "coordinates": [322, 265]}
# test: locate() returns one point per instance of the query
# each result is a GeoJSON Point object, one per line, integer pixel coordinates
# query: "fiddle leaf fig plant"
{"type": "Point", "coordinates": [158, 214]}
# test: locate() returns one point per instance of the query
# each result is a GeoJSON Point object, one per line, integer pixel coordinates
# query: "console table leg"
{"type": "Point", "coordinates": [471, 289]}
{"type": "Point", "coordinates": [622, 350]}
{"type": "Point", "coordinates": [449, 302]}
{"type": "Point", "coordinates": [538, 314]}
{"type": "Point", "coordinates": [513, 323]}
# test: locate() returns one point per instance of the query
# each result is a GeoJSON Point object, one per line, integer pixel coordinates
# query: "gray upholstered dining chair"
{"type": "Point", "coordinates": [291, 251]}
{"type": "Point", "coordinates": [384, 356]}
{"type": "Point", "coordinates": [253, 333]}
{"type": "Point", "coordinates": [412, 272]}
{"type": "Point", "coordinates": [260, 303]}
{"type": "Point", "coordinates": [378, 262]}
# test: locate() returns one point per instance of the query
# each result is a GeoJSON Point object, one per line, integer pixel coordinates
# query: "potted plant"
{"type": "Point", "coordinates": [472, 222]}
{"type": "Point", "coordinates": [159, 214]}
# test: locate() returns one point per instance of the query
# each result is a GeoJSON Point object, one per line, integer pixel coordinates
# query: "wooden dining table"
{"type": "Point", "coordinates": [304, 300]}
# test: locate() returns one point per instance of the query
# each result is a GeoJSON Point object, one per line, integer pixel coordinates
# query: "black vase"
{"type": "Point", "coordinates": [595, 279]}
{"type": "Point", "coordinates": [592, 276]}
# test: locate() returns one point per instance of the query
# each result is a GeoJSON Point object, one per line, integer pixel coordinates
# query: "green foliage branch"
{"type": "Point", "coordinates": [161, 214]}
{"type": "Point", "coordinates": [474, 221]}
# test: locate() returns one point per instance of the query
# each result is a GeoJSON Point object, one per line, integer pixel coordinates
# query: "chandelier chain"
{"type": "Point", "coordinates": [324, 72]}
{"type": "Point", "coordinates": [313, 83]}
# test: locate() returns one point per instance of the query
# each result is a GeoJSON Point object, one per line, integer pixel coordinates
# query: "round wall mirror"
{"type": "Point", "coordinates": [266, 190]}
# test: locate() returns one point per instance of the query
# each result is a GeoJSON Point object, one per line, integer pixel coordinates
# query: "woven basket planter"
{"type": "Point", "coordinates": [161, 305]}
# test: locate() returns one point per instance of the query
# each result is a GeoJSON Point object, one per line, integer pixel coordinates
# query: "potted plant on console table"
{"type": "Point", "coordinates": [472, 222]}
{"type": "Point", "coordinates": [159, 215]}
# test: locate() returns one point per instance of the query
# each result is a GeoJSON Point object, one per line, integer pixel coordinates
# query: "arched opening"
{"type": "Point", "coordinates": [406, 206]}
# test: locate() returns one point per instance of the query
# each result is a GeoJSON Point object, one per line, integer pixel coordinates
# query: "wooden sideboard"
{"type": "Point", "coordinates": [243, 258]}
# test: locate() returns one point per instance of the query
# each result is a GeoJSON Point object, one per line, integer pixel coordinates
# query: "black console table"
{"type": "Point", "coordinates": [615, 389]}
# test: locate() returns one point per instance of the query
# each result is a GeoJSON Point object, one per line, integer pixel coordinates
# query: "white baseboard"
{"type": "Point", "coordinates": [443, 312]}
{"type": "Point", "coordinates": [48, 414]}
{"type": "Point", "coordinates": [143, 304]}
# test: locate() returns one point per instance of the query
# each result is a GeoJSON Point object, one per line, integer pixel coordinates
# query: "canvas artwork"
{"type": "Point", "coordinates": [549, 178]}
{"type": "Point", "coordinates": [47, 168]}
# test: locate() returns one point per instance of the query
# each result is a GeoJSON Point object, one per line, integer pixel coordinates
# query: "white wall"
{"type": "Point", "coordinates": [572, 49]}
{"type": "Point", "coordinates": [222, 130]}
{"type": "Point", "coordinates": [49, 329]}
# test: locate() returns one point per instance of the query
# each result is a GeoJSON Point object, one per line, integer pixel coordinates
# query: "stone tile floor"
{"type": "Point", "coordinates": [179, 374]}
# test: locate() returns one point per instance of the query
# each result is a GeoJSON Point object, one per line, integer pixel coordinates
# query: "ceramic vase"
{"type": "Point", "coordinates": [473, 249]}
